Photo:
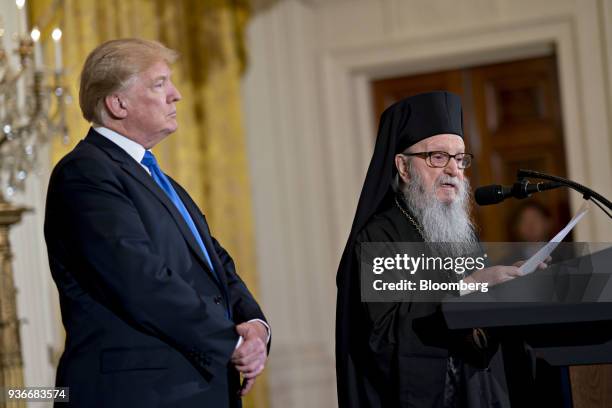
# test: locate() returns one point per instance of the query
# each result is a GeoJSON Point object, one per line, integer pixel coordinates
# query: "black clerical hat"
{"type": "Point", "coordinates": [424, 115]}
{"type": "Point", "coordinates": [401, 125]}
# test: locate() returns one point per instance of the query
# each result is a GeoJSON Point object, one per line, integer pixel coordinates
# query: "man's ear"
{"type": "Point", "coordinates": [402, 168]}
{"type": "Point", "coordinates": [115, 106]}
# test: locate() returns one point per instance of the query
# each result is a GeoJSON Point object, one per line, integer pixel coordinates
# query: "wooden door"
{"type": "Point", "coordinates": [517, 114]}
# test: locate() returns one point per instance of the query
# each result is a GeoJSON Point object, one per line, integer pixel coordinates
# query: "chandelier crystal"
{"type": "Point", "coordinates": [33, 103]}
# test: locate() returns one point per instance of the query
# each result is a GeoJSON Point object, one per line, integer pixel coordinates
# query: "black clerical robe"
{"type": "Point", "coordinates": [393, 355]}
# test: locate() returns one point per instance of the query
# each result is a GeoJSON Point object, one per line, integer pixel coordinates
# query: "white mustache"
{"type": "Point", "coordinates": [444, 179]}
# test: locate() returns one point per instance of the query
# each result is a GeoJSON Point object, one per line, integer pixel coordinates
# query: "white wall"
{"type": "Point", "coordinates": [310, 132]}
{"type": "Point", "coordinates": [290, 202]}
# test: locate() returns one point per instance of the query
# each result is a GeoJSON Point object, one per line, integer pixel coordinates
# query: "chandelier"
{"type": "Point", "coordinates": [32, 102]}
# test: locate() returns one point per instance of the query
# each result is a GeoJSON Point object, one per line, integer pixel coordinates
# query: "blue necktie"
{"type": "Point", "coordinates": [160, 178]}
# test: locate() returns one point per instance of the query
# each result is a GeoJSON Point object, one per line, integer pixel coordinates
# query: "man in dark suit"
{"type": "Point", "coordinates": [154, 312]}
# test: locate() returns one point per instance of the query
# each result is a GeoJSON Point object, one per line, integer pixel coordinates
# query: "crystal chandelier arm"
{"type": "Point", "coordinates": [9, 82]}
{"type": "Point", "coordinates": [32, 109]}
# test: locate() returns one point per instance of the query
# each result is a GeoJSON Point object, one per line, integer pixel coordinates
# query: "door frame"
{"type": "Point", "coordinates": [346, 76]}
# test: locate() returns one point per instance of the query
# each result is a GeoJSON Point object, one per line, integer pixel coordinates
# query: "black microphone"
{"type": "Point", "coordinates": [495, 193]}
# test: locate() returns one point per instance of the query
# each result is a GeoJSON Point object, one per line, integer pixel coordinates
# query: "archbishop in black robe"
{"type": "Point", "coordinates": [391, 354]}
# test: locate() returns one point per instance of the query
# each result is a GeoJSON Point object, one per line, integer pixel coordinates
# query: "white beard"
{"type": "Point", "coordinates": [449, 223]}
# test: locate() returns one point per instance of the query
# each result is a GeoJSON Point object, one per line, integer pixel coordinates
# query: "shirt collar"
{"type": "Point", "coordinates": [135, 150]}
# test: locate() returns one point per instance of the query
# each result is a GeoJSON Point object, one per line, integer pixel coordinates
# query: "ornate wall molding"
{"type": "Point", "coordinates": [348, 70]}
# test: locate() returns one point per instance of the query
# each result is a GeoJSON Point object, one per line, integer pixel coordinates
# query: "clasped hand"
{"type": "Point", "coordinates": [250, 357]}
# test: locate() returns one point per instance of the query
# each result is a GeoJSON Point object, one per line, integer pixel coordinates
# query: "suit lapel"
{"type": "Point", "coordinates": [133, 169]}
{"type": "Point", "coordinates": [203, 230]}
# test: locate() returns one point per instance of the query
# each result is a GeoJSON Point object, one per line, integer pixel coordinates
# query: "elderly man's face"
{"type": "Point", "coordinates": [151, 105]}
{"type": "Point", "coordinates": [443, 181]}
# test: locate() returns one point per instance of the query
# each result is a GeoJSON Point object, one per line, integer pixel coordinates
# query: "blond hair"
{"type": "Point", "coordinates": [111, 66]}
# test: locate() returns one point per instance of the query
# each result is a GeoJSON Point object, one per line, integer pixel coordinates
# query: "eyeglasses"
{"type": "Point", "coordinates": [441, 159]}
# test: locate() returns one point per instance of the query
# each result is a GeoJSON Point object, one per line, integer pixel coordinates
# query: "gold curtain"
{"type": "Point", "coordinates": [207, 154]}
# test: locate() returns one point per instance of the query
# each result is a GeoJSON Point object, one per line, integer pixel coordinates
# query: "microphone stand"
{"type": "Point", "coordinates": [586, 192]}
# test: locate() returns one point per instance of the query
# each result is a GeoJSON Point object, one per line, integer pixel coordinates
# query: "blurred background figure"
{"type": "Point", "coordinates": [532, 223]}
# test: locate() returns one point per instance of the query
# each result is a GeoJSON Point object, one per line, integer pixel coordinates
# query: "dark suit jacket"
{"type": "Point", "coordinates": [146, 319]}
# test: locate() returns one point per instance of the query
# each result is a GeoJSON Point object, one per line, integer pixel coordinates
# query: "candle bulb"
{"type": "Point", "coordinates": [21, 17]}
{"type": "Point", "coordinates": [35, 34]}
{"type": "Point", "coordinates": [57, 36]}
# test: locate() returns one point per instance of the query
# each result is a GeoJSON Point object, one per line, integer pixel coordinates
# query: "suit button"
{"type": "Point", "coordinates": [217, 300]}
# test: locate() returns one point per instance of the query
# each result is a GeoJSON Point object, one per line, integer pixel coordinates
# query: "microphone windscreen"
{"type": "Point", "coordinates": [487, 195]}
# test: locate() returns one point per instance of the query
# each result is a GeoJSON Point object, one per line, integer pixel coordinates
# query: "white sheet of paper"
{"type": "Point", "coordinates": [544, 252]}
